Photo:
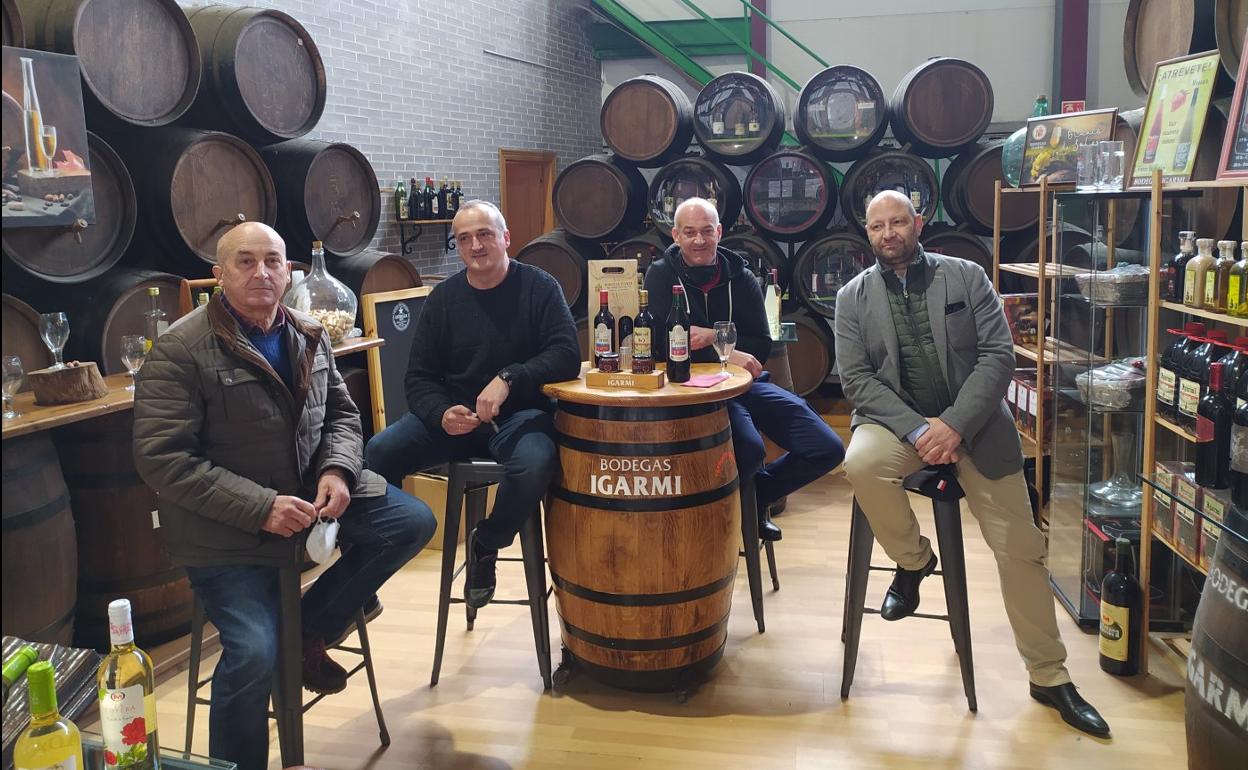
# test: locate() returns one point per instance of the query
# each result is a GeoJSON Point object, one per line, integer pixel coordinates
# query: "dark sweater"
{"type": "Point", "coordinates": [465, 337]}
{"type": "Point", "coordinates": [705, 308]}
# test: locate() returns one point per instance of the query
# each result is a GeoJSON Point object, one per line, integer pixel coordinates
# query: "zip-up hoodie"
{"type": "Point", "coordinates": [736, 297]}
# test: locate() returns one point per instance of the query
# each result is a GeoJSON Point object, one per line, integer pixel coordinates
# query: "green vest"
{"type": "Point", "coordinates": [921, 377]}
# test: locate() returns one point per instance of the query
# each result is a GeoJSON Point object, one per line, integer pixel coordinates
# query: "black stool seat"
{"type": "Point", "coordinates": [470, 479]}
{"type": "Point", "coordinates": [947, 511]}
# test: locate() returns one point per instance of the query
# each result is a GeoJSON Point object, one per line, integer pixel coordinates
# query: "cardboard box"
{"type": "Point", "coordinates": [619, 278]}
{"type": "Point", "coordinates": [1165, 473]}
{"type": "Point", "coordinates": [1186, 519]}
{"type": "Point", "coordinates": [432, 490]}
{"type": "Point", "coordinates": [1217, 502]}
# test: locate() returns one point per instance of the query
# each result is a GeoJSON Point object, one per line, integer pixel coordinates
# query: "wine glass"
{"type": "Point", "coordinates": [133, 354]}
{"type": "Point", "coordinates": [47, 135]}
{"type": "Point", "coordinates": [725, 342]}
{"type": "Point", "coordinates": [54, 329]}
{"type": "Point", "coordinates": [13, 377]}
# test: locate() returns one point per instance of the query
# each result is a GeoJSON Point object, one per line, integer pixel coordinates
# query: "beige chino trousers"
{"type": "Point", "coordinates": [877, 461]}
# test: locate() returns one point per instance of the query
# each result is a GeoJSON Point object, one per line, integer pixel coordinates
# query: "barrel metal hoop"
{"type": "Point", "coordinates": [647, 645]}
{"type": "Point", "coordinates": [615, 449]}
{"type": "Point", "coordinates": [35, 515]}
{"type": "Point", "coordinates": [643, 600]}
{"type": "Point", "coordinates": [48, 631]}
{"type": "Point", "coordinates": [639, 414]}
{"type": "Point", "coordinates": [647, 504]}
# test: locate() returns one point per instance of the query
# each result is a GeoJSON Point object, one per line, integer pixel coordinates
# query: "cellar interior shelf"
{"type": "Point", "coordinates": [1062, 353]}
{"type": "Point", "coordinates": [1151, 481]}
{"type": "Point", "coordinates": [1175, 429]}
{"type": "Point", "coordinates": [1053, 188]}
{"type": "Point", "coordinates": [408, 242]}
{"type": "Point", "coordinates": [1219, 317]}
{"type": "Point", "coordinates": [1052, 270]}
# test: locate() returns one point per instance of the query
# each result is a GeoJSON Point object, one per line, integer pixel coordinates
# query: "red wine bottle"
{"type": "Point", "coordinates": [1168, 370]}
{"type": "Point", "coordinates": [643, 336]}
{"type": "Point", "coordinates": [1194, 376]}
{"type": "Point", "coordinates": [1213, 434]}
{"type": "Point", "coordinates": [678, 338]}
{"type": "Point", "coordinates": [1122, 608]}
{"type": "Point", "coordinates": [604, 327]}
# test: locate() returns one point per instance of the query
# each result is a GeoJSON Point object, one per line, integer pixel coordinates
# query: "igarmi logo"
{"type": "Point", "coordinates": [401, 317]}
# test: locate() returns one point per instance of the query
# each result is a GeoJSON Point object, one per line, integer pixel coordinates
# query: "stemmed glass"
{"type": "Point", "coordinates": [47, 136]}
{"type": "Point", "coordinates": [725, 342]}
{"type": "Point", "coordinates": [13, 377]}
{"type": "Point", "coordinates": [54, 328]}
{"type": "Point", "coordinates": [133, 354]}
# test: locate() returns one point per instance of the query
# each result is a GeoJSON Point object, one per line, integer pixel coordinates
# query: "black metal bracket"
{"type": "Point", "coordinates": [408, 242]}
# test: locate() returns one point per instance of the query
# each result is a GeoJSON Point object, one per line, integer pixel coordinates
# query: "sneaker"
{"type": "Point", "coordinates": [321, 674]}
{"type": "Point", "coordinates": [372, 608]}
{"type": "Point", "coordinates": [481, 580]}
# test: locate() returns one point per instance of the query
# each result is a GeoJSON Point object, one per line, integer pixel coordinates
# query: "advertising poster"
{"type": "Point", "coordinates": [1177, 104]}
{"type": "Point", "coordinates": [1053, 143]}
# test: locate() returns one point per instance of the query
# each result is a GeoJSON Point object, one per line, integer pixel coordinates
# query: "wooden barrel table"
{"type": "Point", "coordinates": [643, 529]}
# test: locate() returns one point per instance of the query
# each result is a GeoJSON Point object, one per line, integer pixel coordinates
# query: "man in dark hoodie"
{"type": "Point", "coordinates": [720, 287]}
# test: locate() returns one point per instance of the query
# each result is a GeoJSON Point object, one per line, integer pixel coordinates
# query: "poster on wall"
{"type": "Point", "coordinates": [1178, 101]}
{"type": "Point", "coordinates": [1052, 148]}
{"type": "Point", "coordinates": [46, 170]}
{"type": "Point", "coordinates": [1234, 162]}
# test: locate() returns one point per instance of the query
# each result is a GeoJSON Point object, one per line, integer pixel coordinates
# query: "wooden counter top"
{"type": "Point", "coordinates": [578, 392]}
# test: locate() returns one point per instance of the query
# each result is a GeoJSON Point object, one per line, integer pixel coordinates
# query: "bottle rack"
{"type": "Point", "coordinates": [408, 242]}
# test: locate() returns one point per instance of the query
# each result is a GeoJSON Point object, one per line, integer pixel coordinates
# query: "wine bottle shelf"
{"type": "Point", "coordinates": [1175, 429]}
{"type": "Point", "coordinates": [1150, 481]}
{"type": "Point", "coordinates": [407, 242]}
{"type": "Point", "coordinates": [1220, 317]}
{"type": "Point", "coordinates": [1052, 270]}
{"type": "Point", "coordinates": [1063, 353]}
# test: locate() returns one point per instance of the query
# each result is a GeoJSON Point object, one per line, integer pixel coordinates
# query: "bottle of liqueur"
{"type": "Point", "coordinates": [1176, 271]}
{"type": "Point", "coordinates": [717, 121]}
{"type": "Point", "coordinates": [1194, 375]}
{"type": "Point", "coordinates": [1183, 150]}
{"type": "Point", "coordinates": [444, 198]}
{"type": "Point", "coordinates": [415, 201]}
{"type": "Point", "coordinates": [51, 740]}
{"type": "Point", "coordinates": [751, 126]}
{"type": "Point", "coordinates": [155, 320]}
{"type": "Point", "coordinates": [1168, 371]}
{"type": "Point", "coordinates": [771, 303]}
{"type": "Point", "coordinates": [1154, 131]}
{"type": "Point", "coordinates": [604, 328]}
{"type": "Point", "coordinates": [1196, 275]}
{"type": "Point", "coordinates": [434, 211]}
{"type": "Point", "coordinates": [16, 665]}
{"type": "Point", "coordinates": [1213, 434]}
{"type": "Point", "coordinates": [1122, 612]}
{"type": "Point", "coordinates": [400, 200]}
{"type": "Point", "coordinates": [678, 338]}
{"type": "Point", "coordinates": [1222, 278]}
{"type": "Point", "coordinates": [1237, 285]}
{"type": "Point", "coordinates": [127, 688]}
{"type": "Point", "coordinates": [643, 336]}
{"type": "Point", "coordinates": [738, 128]}
{"type": "Point", "coordinates": [456, 195]}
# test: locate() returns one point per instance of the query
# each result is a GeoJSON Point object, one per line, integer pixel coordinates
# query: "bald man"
{"type": "Point", "coordinates": [244, 428]}
{"type": "Point", "coordinates": [925, 356]}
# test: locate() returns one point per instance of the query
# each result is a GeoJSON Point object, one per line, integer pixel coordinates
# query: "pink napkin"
{"type": "Point", "coordinates": [707, 380]}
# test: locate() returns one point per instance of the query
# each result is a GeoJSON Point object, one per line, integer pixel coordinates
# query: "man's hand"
{"type": "Point", "coordinates": [332, 494]}
{"type": "Point", "coordinates": [289, 515]}
{"type": "Point", "coordinates": [746, 362]}
{"type": "Point", "coordinates": [459, 420]}
{"type": "Point", "coordinates": [491, 399]}
{"type": "Point", "coordinates": [700, 337]}
{"type": "Point", "coordinates": [939, 444]}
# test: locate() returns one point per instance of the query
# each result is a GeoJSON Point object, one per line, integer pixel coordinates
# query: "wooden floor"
{"type": "Point", "coordinates": [773, 702]}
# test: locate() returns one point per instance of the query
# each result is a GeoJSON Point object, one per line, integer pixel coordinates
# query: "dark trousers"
{"type": "Point", "coordinates": [812, 448]}
{"type": "Point", "coordinates": [378, 536]}
{"type": "Point", "coordinates": [524, 445]}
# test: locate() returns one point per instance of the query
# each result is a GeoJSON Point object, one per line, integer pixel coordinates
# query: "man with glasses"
{"type": "Point", "coordinates": [487, 340]}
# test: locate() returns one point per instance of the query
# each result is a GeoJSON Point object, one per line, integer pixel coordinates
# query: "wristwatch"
{"type": "Point", "coordinates": [508, 376]}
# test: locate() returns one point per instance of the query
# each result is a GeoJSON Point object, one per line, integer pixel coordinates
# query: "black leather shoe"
{"type": "Point", "coordinates": [902, 598]}
{"type": "Point", "coordinates": [480, 582]}
{"type": "Point", "coordinates": [1075, 711]}
{"type": "Point", "coordinates": [768, 531]}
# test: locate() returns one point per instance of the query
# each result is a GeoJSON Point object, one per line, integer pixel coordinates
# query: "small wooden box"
{"type": "Point", "coordinates": [625, 380]}
{"type": "Point", "coordinates": [1216, 504]}
{"type": "Point", "coordinates": [1186, 520]}
{"type": "Point", "coordinates": [1164, 474]}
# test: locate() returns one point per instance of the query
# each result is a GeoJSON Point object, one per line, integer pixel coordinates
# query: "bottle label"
{"type": "Point", "coordinates": [717, 127]}
{"type": "Point", "coordinates": [68, 763]}
{"type": "Point", "coordinates": [1211, 294]}
{"type": "Point", "coordinates": [1115, 621]}
{"type": "Point", "coordinates": [641, 343]}
{"type": "Point", "coordinates": [916, 198]}
{"type": "Point", "coordinates": [433, 203]}
{"type": "Point", "coordinates": [678, 344]}
{"type": "Point", "coordinates": [1233, 305]}
{"type": "Point", "coordinates": [669, 205]}
{"type": "Point", "coordinates": [1239, 448]}
{"type": "Point", "coordinates": [739, 129]}
{"type": "Point", "coordinates": [161, 327]}
{"type": "Point", "coordinates": [1189, 396]}
{"type": "Point", "coordinates": [1204, 429]}
{"type": "Point", "coordinates": [753, 126]}
{"type": "Point", "coordinates": [125, 723]}
{"type": "Point", "coordinates": [602, 339]}
{"type": "Point", "coordinates": [1165, 386]}
{"type": "Point", "coordinates": [1189, 286]}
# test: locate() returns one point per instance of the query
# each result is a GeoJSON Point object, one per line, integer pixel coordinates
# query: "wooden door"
{"type": "Point", "coordinates": [527, 178]}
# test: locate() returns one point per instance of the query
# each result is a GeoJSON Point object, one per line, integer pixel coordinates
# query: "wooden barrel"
{"type": "Point", "coordinates": [823, 265]}
{"type": "Point", "coordinates": [370, 272]}
{"type": "Point", "coordinates": [20, 331]}
{"type": "Point", "coordinates": [564, 257]}
{"type": "Point", "coordinates": [193, 186]}
{"type": "Point", "coordinates": [968, 192]}
{"type": "Point", "coordinates": [760, 252]}
{"type": "Point", "coordinates": [812, 356]}
{"type": "Point", "coordinates": [1157, 30]}
{"type": "Point", "coordinates": [789, 195]}
{"type": "Point", "coordinates": [941, 106]}
{"type": "Point", "coordinates": [71, 254]}
{"type": "Point", "coordinates": [647, 121]}
{"type": "Point", "coordinates": [139, 59]}
{"type": "Point", "coordinates": [1024, 247]}
{"type": "Point", "coordinates": [12, 31]}
{"type": "Point", "coordinates": [1215, 209]}
{"type": "Point", "coordinates": [1217, 663]}
{"type": "Point", "coordinates": [1230, 20]}
{"type": "Point", "coordinates": [645, 248]}
{"type": "Point", "coordinates": [599, 198]}
{"type": "Point", "coordinates": [841, 113]}
{"type": "Point", "coordinates": [957, 242]}
{"type": "Point", "coordinates": [738, 118]}
{"type": "Point", "coordinates": [888, 170]}
{"type": "Point", "coordinates": [120, 550]}
{"type": "Point", "coordinates": [692, 177]}
{"type": "Point", "coordinates": [327, 192]}
{"type": "Point", "coordinates": [356, 379]}
{"type": "Point", "coordinates": [642, 535]}
{"type": "Point", "coordinates": [40, 550]}
{"type": "Point", "coordinates": [263, 75]}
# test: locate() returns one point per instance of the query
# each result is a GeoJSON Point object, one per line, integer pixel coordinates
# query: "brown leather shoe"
{"type": "Point", "coordinates": [321, 674]}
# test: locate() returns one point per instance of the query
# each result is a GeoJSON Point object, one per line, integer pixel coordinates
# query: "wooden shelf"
{"type": "Point", "coordinates": [1053, 188]}
{"type": "Point", "coordinates": [1208, 184]}
{"type": "Point", "coordinates": [1069, 354]}
{"type": "Point", "coordinates": [357, 345]}
{"type": "Point", "coordinates": [1032, 270]}
{"type": "Point", "coordinates": [1219, 317]}
{"type": "Point", "coordinates": [1175, 429]}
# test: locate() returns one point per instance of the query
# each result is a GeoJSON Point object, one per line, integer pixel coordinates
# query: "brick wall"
{"type": "Point", "coordinates": [436, 88]}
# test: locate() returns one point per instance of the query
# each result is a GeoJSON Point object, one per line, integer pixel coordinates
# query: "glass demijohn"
{"type": "Point", "coordinates": [325, 298]}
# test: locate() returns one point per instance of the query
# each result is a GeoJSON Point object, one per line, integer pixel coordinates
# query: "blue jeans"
{"type": "Point", "coordinates": [524, 445]}
{"type": "Point", "coordinates": [378, 535]}
{"type": "Point", "coordinates": [812, 448]}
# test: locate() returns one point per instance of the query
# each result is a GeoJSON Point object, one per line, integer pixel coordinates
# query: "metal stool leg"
{"type": "Point", "coordinates": [535, 577]}
{"type": "Point", "coordinates": [289, 665]}
{"type": "Point", "coordinates": [849, 565]}
{"type": "Point", "coordinates": [450, 545]}
{"type": "Point", "coordinates": [949, 536]}
{"type": "Point", "coordinates": [769, 547]}
{"type": "Point", "coordinates": [749, 540]}
{"type": "Point", "coordinates": [861, 541]}
{"type": "Point", "coordinates": [192, 676]}
{"type": "Point", "coordinates": [361, 625]}
{"type": "Point", "coordinates": [474, 514]}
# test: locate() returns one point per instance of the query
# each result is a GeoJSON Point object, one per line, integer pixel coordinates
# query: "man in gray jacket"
{"type": "Point", "coordinates": [245, 430]}
{"type": "Point", "coordinates": [925, 356]}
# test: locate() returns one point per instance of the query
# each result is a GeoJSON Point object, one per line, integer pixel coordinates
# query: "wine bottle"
{"type": "Point", "coordinates": [51, 740]}
{"type": "Point", "coordinates": [1193, 376]}
{"type": "Point", "coordinates": [400, 200]}
{"type": "Point", "coordinates": [415, 197]}
{"type": "Point", "coordinates": [1196, 274]}
{"type": "Point", "coordinates": [1221, 278]}
{"type": "Point", "coordinates": [771, 303]}
{"type": "Point", "coordinates": [155, 319]}
{"type": "Point", "coordinates": [1122, 608]}
{"type": "Point", "coordinates": [1168, 369]}
{"type": "Point", "coordinates": [643, 336]}
{"type": "Point", "coordinates": [1237, 285]}
{"type": "Point", "coordinates": [1183, 149]}
{"type": "Point", "coordinates": [1176, 271]}
{"type": "Point", "coordinates": [624, 336]}
{"type": "Point", "coordinates": [127, 688]}
{"type": "Point", "coordinates": [1213, 434]}
{"type": "Point", "coordinates": [456, 196]}
{"type": "Point", "coordinates": [717, 121]}
{"type": "Point", "coordinates": [444, 198]}
{"type": "Point", "coordinates": [16, 665]}
{"type": "Point", "coordinates": [1154, 131]}
{"type": "Point", "coordinates": [752, 127]}
{"type": "Point", "coordinates": [604, 327]}
{"type": "Point", "coordinates": [678, 338]}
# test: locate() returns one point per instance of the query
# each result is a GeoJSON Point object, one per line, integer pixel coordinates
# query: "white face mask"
{"type": "Point", "coordinates": [323, 540]}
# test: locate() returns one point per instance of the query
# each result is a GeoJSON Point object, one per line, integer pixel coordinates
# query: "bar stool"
{"type": "Point", "coordinates": [753, 566]}
{"type": "Point", "coordinates": [288, 705]}
{"type": "Point", "coordinates": [470, 479]}
{"type": "Point", "coordinates": [949, 539]}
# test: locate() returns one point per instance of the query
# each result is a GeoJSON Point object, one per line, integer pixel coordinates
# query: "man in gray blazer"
{"type": "Point", "coordinates": [925, 356]}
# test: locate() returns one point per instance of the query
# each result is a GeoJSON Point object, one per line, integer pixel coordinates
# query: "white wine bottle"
{"type": "Point", "coordinates": [50, 742]}
{"type": "Point", "coordinates": [127, 687]}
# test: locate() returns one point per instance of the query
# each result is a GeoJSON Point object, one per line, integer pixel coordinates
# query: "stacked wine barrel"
{"type": "Point", "coordinates": [784, 208]}
{"type": "Point", "coordinates": [179, 153]}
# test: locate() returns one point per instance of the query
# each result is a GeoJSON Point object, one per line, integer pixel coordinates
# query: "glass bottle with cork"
{"type": "Point", "coordinates": [1194, 376]}
{"type": "Point", "coordinates": [1122, 613]}
{"type": "Point", "coordinates": [1176, 270]}
{"type": "Point", "coordinates": [1221, 282]}
{"type": "Point", "coordinates": [50, 740]}
{"type": "Point", "coordinates": [604, 328]}
{"type": "Point", "coordinates": [643, 336]}
{"type": "Point", "coordinates": [1237, 285]}
{"type": "Point", "coordinates": [678, 364]}
{"type": "Point", "coordinates": [127, 691]}
{"type": "Point", "coordinates": [155, 320]}
{"type": "Point", "coordinates": [1168, 370]}
{"type": "Point", "coordinates": [1196, 275]}
{"type": "Point", "coordinates": [400, 201]}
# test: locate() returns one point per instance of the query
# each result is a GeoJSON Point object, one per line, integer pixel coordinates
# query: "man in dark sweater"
{"type": "Point", "coordinates": [487, 340]}
{"type": "Point", "coordinates": [719, 287]}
